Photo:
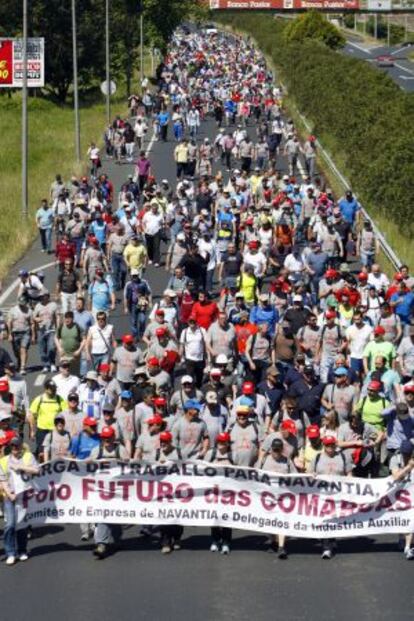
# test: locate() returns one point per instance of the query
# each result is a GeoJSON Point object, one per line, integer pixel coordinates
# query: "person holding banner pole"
{"type": "Point", "coordinates": [20, 459]}
{"type": "Point", "coordinates": [401, 466]}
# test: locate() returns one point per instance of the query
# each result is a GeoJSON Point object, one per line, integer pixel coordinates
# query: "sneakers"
{"type": "Point", "coordinates": [282, 554]}
{"type": "Point", "coordinates": [45, 369]}
{"type": "Point", "coordinates": [53, 368]}
{"type": "Point", "coordinates": [23, 557]}
{"type": "Point", "coordinates": [10, 560]}
{"type": "Point", "coordinates": [214, 547]}
{"type": "Point", "coordinates": [177, 545]}
{"type": "Point", "coordinates": [85, 536]}
{"type": "Point", "coordinates": [166, 549]}
{"type": "Point", "coordinates": [225, 549]}
{"type": "Point", "coordinates": [326, 554]}
{"type": "Point", "coordinates": [409, 555]}
{"type": "Point", "coordinates": [100, 551]}
{"type": "Point", "coordinates": [22, 371]}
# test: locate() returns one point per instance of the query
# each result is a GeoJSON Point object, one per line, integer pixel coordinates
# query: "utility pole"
{"type": "Point", "coordinates": [75, 83]}
{"type": "Point", "coordinates": [25, 193]}
{"type": "Point", "coordinates": [108, 74]}
{"type": "Point", "coordinates": [376, 25]}
{"type": "Point", "coordinates": [141, 46]}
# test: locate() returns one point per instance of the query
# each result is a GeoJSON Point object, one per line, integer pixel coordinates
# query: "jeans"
{"type": "Point", "coordinates": [107, 533]}
{"type": "Point", "coordinates": [15, 541]}
{"type": "Point", "coordinates": [119, 270]}
{"type": "Point", "coordinates": [46, 239]}
{"type": "Point", "coordinates": [310, 166]}
{"type": "Point", "coordinates": [47, 348]}
{"type": "Point", "coordinates": [138, 319]}
{"type": "Point", "coordinates": [98, 359]}
{"type": "Point", "coordinates": [129, 148]}
{"type": "Point", "coordinates": [68, 302]}
{"type": "Point", "coordinates": [209, 280]}
{"type": "Point", "coordinates": [367, 258]}
{"type": "Point", "coordinates": [325, 365]}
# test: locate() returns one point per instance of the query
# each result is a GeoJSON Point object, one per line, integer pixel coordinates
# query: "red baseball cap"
{"type": "Point", "coordinates": [90, 421]}
{"type": "Point", "coordinates": [379, 331]}
{"type": "Point", "coordinates": [329, 440]}
{"type": "Point", "coordinates": [223, 437]}
{"type": "Point", "coordinates": [398, 276]}
{"type": "Point", "coordinates": [8, 435]}
{"type": "Point", "coordinates": [159, 401]}
{"type": "Point", "coordinates": [253, 244]}
{"type": "Point", "coordinates": [312, 431]}
{"type": "Point", "coordinates": [375, 385]}
{"type": "Point", "coordinates": [159, 311]}
{"type": "Point", "coordinates": [127, 338]}
{"type": "Point", "coordinates": [165, 436]}
{"type": "Point", "coordinates": [104, 367]}
{"type": "Point", "coordinates": [161, 331]}
{"type": "Point", "coordinates": [155, 420]}
{"type": "Point", "coordinates": [248, 388]}
{"type": "Point", "coordinates": [249, 220]}
{"type": "Point", "coordinates": [4, 386]}
{"type": "Point", "coordinates": [107, 432]}
{"type": "Point", "coordinates": [153, 362]}
{"type": "Point", "coordinates": [289, 425]}
{"type": "Point", "coordinates": [330, 315]}
{"type": "Point", "coordinates": [362, 276]}
{"type": "Point", "coordinates": [408, 388]}
{"type": "Point", "coordinates": [331, 273]}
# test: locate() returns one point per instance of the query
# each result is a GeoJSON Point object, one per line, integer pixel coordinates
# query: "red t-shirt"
{"type": "Point", "coordinates": [205, 314]}
{"type": "Point", "coordinates": [243, 332]}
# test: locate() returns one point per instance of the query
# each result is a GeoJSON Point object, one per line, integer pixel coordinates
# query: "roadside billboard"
{"type": "Point", "coordinates": [11, 62]}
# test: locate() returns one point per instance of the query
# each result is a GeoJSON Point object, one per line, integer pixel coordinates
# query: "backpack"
{"type": "Point", "coordinates": [214, 454]}
{"type": "Point", "coordinates": [117, 453]}
{"type": "Point", "coordinates": [318, 457]}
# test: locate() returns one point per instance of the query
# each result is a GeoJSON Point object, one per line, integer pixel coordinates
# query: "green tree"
{"type": "Point", "coordinates": [313, 25]}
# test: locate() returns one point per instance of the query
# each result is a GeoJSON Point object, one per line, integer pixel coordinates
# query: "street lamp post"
{"type": "Point", "coordinates": [141, 47]}
{"type": "Point", "coordinates": [75, 84]}
{"type": "Point", "coordinates": [25, 193]}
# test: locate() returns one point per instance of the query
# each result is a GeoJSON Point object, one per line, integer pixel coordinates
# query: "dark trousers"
{"type": "Point", "coordinates": [170, 534]}
{"type": "Point", "coordinates": [195, 368]}
{"type": "Point", "coordinates": [153, 247]}
{"type": "Point", "coordinates": [164, 132]}
{"type": "Point", "coordinates": [221, 535]}
{"type": "Point", "coordinates": [119, 270]}
{"type": "Point", "coordinates": [142, 180]}
{"type": "Point", "coordinates": [181, 169]}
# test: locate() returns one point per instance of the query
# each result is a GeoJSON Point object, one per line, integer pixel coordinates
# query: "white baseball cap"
{"type": "Point", "coordinates": [222, 359]}
{"type": "Point", "coordinates": [187, 379]}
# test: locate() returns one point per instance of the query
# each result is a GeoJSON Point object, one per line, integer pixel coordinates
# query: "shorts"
{"type": "Point", "coordinates": [21, 339]}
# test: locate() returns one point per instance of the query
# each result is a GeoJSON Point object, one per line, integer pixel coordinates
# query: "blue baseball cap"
{"type": "Point", "coordinates": [340, 371]}
{"type": "Point", "coordinates": [192, 404]}
{"type": "Point", "coordinates": [126, 394]}
{"type": "Point", "coordinates": [246, 401]}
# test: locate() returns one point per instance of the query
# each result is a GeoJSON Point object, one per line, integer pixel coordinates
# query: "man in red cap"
{"type": "Point", "coordinates": [221, 454]}
{"type": "Point", "coordinates": [287, 432]}
{"type": "Point", "coordinates": [158, 321]}
{"type": "Point", "coordinates": [372, 405]}
{"type": "Point", "coordinates": [109, 448]}
{"type": "Point", "coordinates": [245, 438]}
{"type": "Point", "coordinates": [330, 461]}
{"type": "Point", "coordinates": [125, 359]}
{"type": "Point", "coordinates": [149, 441]}
{"type": "Point", "coordinates": [332, 341]}
{"type": "Point", "coordinates": [160, 379]}
{"type": "Point", "coordinates": [165, 349]}
{"type": "Point", "coordinates": [255, 257]}
{"type": "Point", "coordinates": [328, 285]}
{"type": "Point", "coordinates": [379, 347]}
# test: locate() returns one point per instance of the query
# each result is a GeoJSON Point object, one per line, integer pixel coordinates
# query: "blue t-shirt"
{"type": "Point", "coordinates": [99, 230]}
{"type": "Point", "coordinates": [349, 209]}
{"type": "Point", "coordinates": [84, 320]}
{"type": "Point", "coordinates": [44, 218]}
{"type": "Point", "coordinates": [163, 118]}
{"type": "Point", "coordinates": [100, 293]}
{"type": "Point", "coordinates": [81, 446]}
{"type": "Point", "coordinates": [404, 309]}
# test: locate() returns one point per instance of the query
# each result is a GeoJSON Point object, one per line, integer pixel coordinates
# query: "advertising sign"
{"type": "Point", "coordinates": [11, 63]}
{"type": "Point", "coordinates": [294, 5]}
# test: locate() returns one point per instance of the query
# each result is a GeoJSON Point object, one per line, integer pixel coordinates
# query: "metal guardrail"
{"type": "Point", "coordinates": [384, 245]}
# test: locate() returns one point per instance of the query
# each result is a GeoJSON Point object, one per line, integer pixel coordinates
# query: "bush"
{"type": "Point", "coordinates": [365, 118]}
{"type": "Point", "coordinates": [315, 27]}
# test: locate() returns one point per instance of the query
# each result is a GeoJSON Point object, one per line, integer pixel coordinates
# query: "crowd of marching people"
{"type": "Point", "coordinates": [278, 342]}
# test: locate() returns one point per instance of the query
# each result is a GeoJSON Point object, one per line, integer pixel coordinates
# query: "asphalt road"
{"type": "Point", "coordinates": [403, 70]}
{"type": "Point", "coordinates": [368, 578]}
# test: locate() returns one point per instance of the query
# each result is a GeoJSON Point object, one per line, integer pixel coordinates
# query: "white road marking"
{"type": "Point", "coordinates": [15, 283]}
{"type": "Point", "coordinates": [400, 50]}
{"type": "Point", "coordinates": [406, 77]}
{"type": "Point", "coordinates": [359, 47]}
{"type": "Point", "coordinates": [403, 68]}
{"type": "Point", "coordinates": [40, 379]}
{"type": "Point", "coordinates": [151, 142]}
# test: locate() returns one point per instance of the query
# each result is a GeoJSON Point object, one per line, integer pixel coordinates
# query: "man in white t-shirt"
{"type": "Point", "coordinates": [100, 341]}
{"type": "Point", "coordinates": [358, 334]}
{"type": "Point", "coordinates": [193, 350]}
{"type": "Point", "coordinates": [378, 279]}
{"type": "Point", "coordinates": [66, 383]}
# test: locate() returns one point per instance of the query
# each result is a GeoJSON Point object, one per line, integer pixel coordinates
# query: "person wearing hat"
{"type": "Point", "coordinates": [157, 377]}
{"type": "Point", "coordinates": [21, 331]}
{"type": "Point", "coordinates": [379, 347]}
{"type": "Point", "coordinates": [187, 390]}
{"type": "Point", "coordinates": [101, 293]}
{"type": "Point", "coordinates": [245, 438]}
{"type": "Point", "coordinates": [331, 461]}
{"type": "Point", "coordinates": [391, 324]}
{"type": "Point", "coordinates": [215, 415]}
{"type": "Point", "coordinates": [57, 442]}
{"type": "Point", "coordinates": [254, 256]}
{"type": "Point", "coordinates": [272, 388]}
{"type": "Point", "coordinates": [149, 440]}
{"type": "Point", "coordinates": [264, 312]}
{"type": "Point", "coordinates": [93, 258]}
{"type": "Point", "coordinates": [190, 432]}
{"type": "Point", "coordinates": [260, 352]}
{"type": "Point", "coordinates": [158, 321]}
{"type": "Point", "coordinates": [125, 359]}
{"type": "Point", "coordinates": [360, 443]}
{"type": "Point", "coordinates": [399, 426]}
{"type": "Point", "coordinates": [312, 447]}
{"type": "Point", "coordinates": [66, 382]}
{"type": "Point", "coordinates": [82, 444]}
{"type": "Point", "coordinates": [42, 412]}
{"type": "Point", "coordinates": [18, 400]}
{"type": "Point", "coordinates": [135, 254]}
{"type": "Point", "coordinates": [220, 454]}
{"type": "Point", "coordinates": [152, 225]}
{"type": "Point", "coordinates": [340, 395]}
{"type": "Point", "coordinates": [304, 385]}
{"type": "Point", "coordinates": [91, 395]}
{"type": "Point", "coordinates": [20, 459]}
{"type": "Point", "coordinates": [331, 342]}
{"type": "Point", "coordinates": [221, 338]}
{"type": "Point", "coordinates": [372, 405]}
{"type": "Point", "coordinates": [165, 349]}
{"type": "Point", "coordinates": [45, 319]}
{"type": "Point", "coordinates": [73, 415]}
{"type": "Point", "coordinates": [401, 467]}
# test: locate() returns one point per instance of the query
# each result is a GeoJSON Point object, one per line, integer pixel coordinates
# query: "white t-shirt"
{"type": "Point", "coordinates": [258, 261]}
{"type": "Point", "coordinates": [379, 282]}
{"type": "Point", "coordinates": [193, 343]}
{"type": "Point", "coordinates": [357, 339]}
{"type": "Point", "coordinates": [152, 223]}
{"type": "Point", "coordinates": [292, 264]}
{"type": "Point", "coordinates": [101, 339]}
{"type": "Point", "coordinates": [66, 385]}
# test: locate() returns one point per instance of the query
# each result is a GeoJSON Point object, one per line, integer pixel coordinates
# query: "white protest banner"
{"type": "Point", "coordinates": [201, 494]}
